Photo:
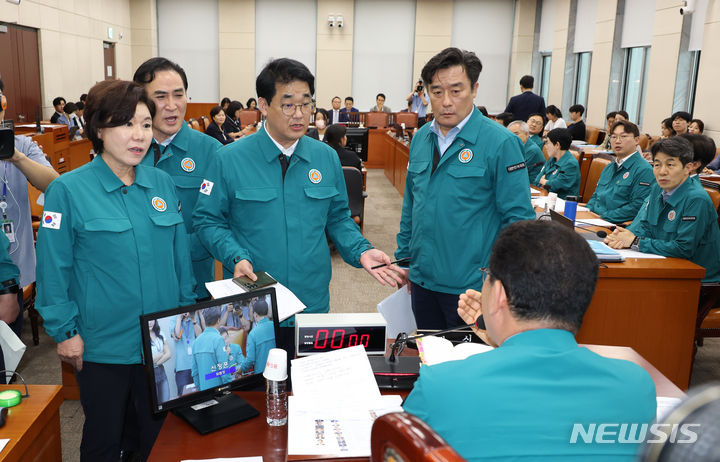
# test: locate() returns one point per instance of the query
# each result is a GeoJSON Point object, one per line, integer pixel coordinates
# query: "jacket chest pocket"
{"type": "Point", "coordinates": [317, 203]}
{"type": "Point", "coordinates": [251, 207]}
{"type": "Point", "coordinates": [469, 180]}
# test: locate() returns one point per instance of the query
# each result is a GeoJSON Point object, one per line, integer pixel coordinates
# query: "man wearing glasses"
{"type": "Point", "coordinates": [269, 198]}
{"type": "Point", "coordinates": [625, 183]}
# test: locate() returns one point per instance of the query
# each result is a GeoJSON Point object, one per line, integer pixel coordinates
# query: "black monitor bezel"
{"type": "Point", "coordinates": [204, 395]}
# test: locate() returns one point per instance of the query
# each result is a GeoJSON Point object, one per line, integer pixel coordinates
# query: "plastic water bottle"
{"type": "Point", "coordinates": [276, 401]}
{"type": "Point", "coordinates": [571, 203]}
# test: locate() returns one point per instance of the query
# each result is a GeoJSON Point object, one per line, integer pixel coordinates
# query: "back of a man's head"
{"type": "Point", "coordinates": [548, 272]}
{"type": "Point", "coordinates": [703, 149]}
{"type": "Point", "coordinates": [334, 135]}
{"type": "Point", "coordinates": [527, 82]}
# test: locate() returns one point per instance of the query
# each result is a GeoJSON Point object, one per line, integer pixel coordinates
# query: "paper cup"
{"type": "Point", "coordinates": [276, 365]}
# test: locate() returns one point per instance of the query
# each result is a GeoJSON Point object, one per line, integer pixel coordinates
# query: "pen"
{"type": "Point", "coordinates": [402, 260]}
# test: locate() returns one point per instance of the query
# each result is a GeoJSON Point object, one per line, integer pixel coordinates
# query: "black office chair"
{"type": "Point", "coordinates": [356, 195]}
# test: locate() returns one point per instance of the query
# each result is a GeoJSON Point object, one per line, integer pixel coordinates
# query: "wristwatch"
{"type": "Point", "coordinates": [9, 287]}
{"type": "Point", "coordinates": [635, 244]}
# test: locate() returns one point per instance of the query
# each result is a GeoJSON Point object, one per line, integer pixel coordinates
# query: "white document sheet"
{"type": "Point", "coordinates": [665, 405]}
{"type": "Point", "coordinates": [288, 303]}
{"type": "Point", "coordinates": [341, 430]}
{"type": "Point", "coordinates": [3, 443]}
{"type": "Point", "coordinates": [13, 348]}
{"type": "Point", "coordinates": [627, 253]}
{"type": "Point", "coordinates": [397, 311]}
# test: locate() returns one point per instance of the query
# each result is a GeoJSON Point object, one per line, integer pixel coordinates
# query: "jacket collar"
{"type": "Point", "coordinates": [270, 151]}
{"type": "Point", "coordinates": [111, 182]}
{"type": "Point", "coordinates": [548, 339]}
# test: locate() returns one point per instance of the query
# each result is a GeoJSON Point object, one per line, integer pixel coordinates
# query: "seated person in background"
{"type": "Point", "coordinates": [209, 357]}
{"type": "Point", "coordinates": [625, 183]}
{"type": "Point", "coordinates": [79, 113]}
{"type": "Point", "coordinates": [666, 128]}
{"type": "Point", "coordinates": [59, 104]}
{"type": "Point", "coordinates": [334, 114]}
{"type": "Point", "coordinates": [696, 127]}
{"type": "Point", "coordinates": [483, 111]}
{"type": "Point", "coordinates": [534, 158]}
{"type": "Point", "coordinates": [610, 122]}
{"type": "Point", "coordinates": [380, 104]}
{"type": "Point", "coordinates": [70, 110]}
{"type": "Point", "coordinates": [678, 218]}
{"type": "Point", "coordinates": [680, 122]}
{"type": "Point", "coordinates": [260, 340]}
{"type": "Point", "coordinates": [214, 128]}
{"type": "Point", "coordinates": [621, 115]}
{"type": "Point", "coordinates": [536, 123]}
{"type": "Point", "coordinates": [504, 118]}
{"type": "Point", "coordinates": [577, 127]}
{"type": "Point", "coordinates": [555, 120]}
{"type": "Point", "coordinates": [231, 127]}
{"type": "Point", "coordinates": [335, 137]}
{"type": "Point", "coordinates": [561, 172]}
{"type": "Point", "coordinates": [321, 125]}
{"type": "Point", "coordinates": [225, 104]}
{"type": "Point", "coordinates": [521, 401]}
{"type": "Point", "coordinates": [348, 109]}
{"type": "Point", "coordinates": [251, 104]}
{"type": "Point", "coordinates": [703, 153]}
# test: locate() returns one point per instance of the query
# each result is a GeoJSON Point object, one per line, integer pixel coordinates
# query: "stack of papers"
{"type": "Point", "coordinates": [334, 404]}
{"type": "Point", "coordinates": [605, 253]}
{"type": "Point", "coordinates": [435, 350]}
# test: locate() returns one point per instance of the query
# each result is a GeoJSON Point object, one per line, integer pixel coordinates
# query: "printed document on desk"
{"type": "Point", "coordinates": [335, 401]}
{"type": "Point", "coordinates": [288, 303]}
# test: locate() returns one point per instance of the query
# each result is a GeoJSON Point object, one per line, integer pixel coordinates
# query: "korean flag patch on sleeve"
{"type": "Point", "coordinates": [51, 220]}
{"type": "Point", "coordinates": [206, 187]}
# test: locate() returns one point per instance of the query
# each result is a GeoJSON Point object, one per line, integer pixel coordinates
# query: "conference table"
{"type": "Point", "coordinates": [33, 426]}
{"type": "Point", "coordinates": [178, 440]}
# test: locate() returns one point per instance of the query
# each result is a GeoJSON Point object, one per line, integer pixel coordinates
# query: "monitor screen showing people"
{"type": "Point", "coordinates": [206, 346]}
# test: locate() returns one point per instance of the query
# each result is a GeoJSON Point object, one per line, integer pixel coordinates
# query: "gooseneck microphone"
{"type": "Point", "coordinates": [402, 338]}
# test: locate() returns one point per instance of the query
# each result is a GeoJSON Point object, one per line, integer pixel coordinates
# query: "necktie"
{"type": "Point", "coordinates": [436, 160]}
{"type": "Point", "coordinates": [156, 150]}
{"type": "Point", "coordinates": [284, 163]}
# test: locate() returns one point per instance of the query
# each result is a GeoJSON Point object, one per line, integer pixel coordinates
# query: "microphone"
{"type": "Point", "coordinates": [601, 233]}
{"type": "Point", "coordinates": [402, 338]}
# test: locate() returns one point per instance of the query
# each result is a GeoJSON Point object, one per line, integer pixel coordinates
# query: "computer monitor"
{"type": "Point", "coordinates": [195, 355]}
{"type": "Point", "coordinates": [357, 141]}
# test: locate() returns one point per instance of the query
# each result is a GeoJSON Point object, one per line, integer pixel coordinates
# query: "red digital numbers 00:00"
{"type": "Point", "coordinates": [321, 339]}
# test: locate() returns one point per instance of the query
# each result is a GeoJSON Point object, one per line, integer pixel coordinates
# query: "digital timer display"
{"type": "Point", "coordinates": [322, 339]}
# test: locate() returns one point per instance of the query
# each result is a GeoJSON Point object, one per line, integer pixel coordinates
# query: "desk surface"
{"type": "Point", "coordinates": [33, 426]}
{"type": "Point", "coordinates": [177, 440]}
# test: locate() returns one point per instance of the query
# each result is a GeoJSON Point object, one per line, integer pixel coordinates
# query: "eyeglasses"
{"type": "Point", "coordinates": [621, 137]}
{"type": "Point", "coordinates": [306, 108]}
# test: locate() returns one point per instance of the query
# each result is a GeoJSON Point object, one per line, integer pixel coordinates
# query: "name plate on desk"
{"type": "Point", "coordinates": [321, 332]}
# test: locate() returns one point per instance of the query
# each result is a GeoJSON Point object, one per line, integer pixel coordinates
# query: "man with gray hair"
{"type": "Point", "coordinates": [534, 158]}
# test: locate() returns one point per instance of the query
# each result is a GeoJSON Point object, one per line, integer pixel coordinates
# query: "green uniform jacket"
{"type": "Point", "coordinates": [8, 269]}
{"type": "Point", "coordinates": [108, 253]}
{"type": "Point", "coordinates": [450, 219]}
{"type": "Point", "coordinates": [563, 175]}
{"type": "Point", "coordinates": [246, 211]}
{"type": "Point", "coordinates": [530, 391]}
{"type": "Point", "coordinates": [686, 226]}
{"type": "Point", "coordinates": [211, 365]}
{"type": "Point", "coordinates": [186, 159]}
{"type": "Point", "coordinates": [537, 139]}
{"type": "Point", "coordinates": [534, 159]}
{"type": "Point", "coordinates": [621, 191]}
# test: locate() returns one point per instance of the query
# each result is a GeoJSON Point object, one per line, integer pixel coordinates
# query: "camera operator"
{"type": "Point", "coordinates": [27, 163]}
{"type": "Point", "coordinates": [419, 102]}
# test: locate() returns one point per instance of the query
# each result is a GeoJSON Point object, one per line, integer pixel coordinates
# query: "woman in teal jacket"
{"type": "Point", "coordinates": [561, 172]}
{"type": "Point", "coordinates": [112, 246]}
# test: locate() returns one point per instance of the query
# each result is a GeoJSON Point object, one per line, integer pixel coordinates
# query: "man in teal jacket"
{"type": "Point", "coordinates": [625, 183]}
{"type": "Point", "coordinates": [185, 154]}
{"type": "Point", "coordinates": [210, 363]}
{"type": "Point", "coordinates": [678, 218]}
{"type": "Point", "coordinates": [268, 198]}
{"type": "Point", "coordinates": [533, 396]}
{"type": "Point", "coordinates": [466, 180]}
{"type": "Point", "coordinates": [9, 289]}
{"type": "Point", "coordinates": [561, 172]}
{"type": "Point", "coordinates": [534, 158]}
{"type": "Point", "coordinates": [260, 341]}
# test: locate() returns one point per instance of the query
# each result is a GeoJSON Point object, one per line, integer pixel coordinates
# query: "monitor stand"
{"type": "Point", "coordinates": [219, 412]}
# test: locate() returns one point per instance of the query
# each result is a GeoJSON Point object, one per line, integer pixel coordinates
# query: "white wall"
{"type": "Point", "coordinates": [188, 35]}
{"type": "Point", "coordinates": [486, 27]}
{"type": "Point", "coordinates": [383, 52]}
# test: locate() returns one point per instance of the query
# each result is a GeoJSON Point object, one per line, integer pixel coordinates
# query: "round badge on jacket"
{"type": "Point", "coordinates": [187, 164]}
{"type": "Point", "coordinates": [671, 215]}
{"type": "Point", "coordinates": [159, 204]}
{"type": "Point", "coordinates": [625, 175]}
{"type": "Point", "coordinates": [315, 176]}
{"type": "Point", "coordinates": [465, 156]}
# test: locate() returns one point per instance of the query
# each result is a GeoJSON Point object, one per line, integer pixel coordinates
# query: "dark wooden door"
{"type": "Point", "coordinates": [109, 59]}
{"type": "Point", "coordinates": [20, 72]}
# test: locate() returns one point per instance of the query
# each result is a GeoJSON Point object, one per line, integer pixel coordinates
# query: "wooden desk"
{"type": "Point", "coordinates": [33, 426]}
{"type": "Point", "coordinates": [254, 437]}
